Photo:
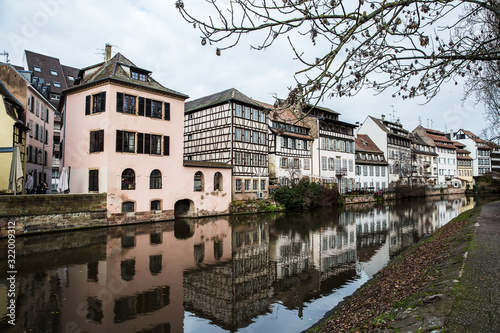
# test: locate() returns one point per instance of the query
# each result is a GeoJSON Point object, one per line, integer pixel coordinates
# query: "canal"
{"type": "Point", "coordinates": [250, 273]}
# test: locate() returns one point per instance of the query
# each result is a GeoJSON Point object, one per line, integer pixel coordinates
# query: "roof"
{"type": "Point", "coordinates": [285, 115]}
{"type": "Point", "coordinates": [322, 108]}
{"type": "Point", "coordinates": [222, 97]}
{"type": "Point", "coordinates": [459, 144]}
{"type": "Point", "coordinates": [365, 144]}
{"type": "Point", "coordinates": [383, 127]}
{"type": "Point", "coordinates": [46, 64]}
{"type": "Point", "coordinates": [205, 164]}
{"type": "Point", "coordinates": [118, 69]}
{"type": "Point", "coordinates": [440, 138]}
{"type": "Point", "coordinates": [474, 137]}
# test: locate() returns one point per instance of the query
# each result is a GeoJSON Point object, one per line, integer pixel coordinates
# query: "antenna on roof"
{"type": "Point", "coordinates": [419, 120]}
{"type": "Point", "coordinates": [393, 113]}
{"type": "Point", "coordinates": [6, 54]}
{"type": "Point", "coordinates": [432, 123]}
{"type": "Point", "coordinates": [103, 51]}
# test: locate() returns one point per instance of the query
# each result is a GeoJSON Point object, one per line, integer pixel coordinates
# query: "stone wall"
{"type": "Point", "coordinates": [45, 213]}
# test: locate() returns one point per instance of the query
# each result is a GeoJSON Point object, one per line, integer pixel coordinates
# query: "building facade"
{"type": "Point", "coordinates": [290, 146]}
{"type": "Point", "coordinates": [464, 166]}
{"type": "Point", "coordinates": [479, 151]}
{"type": "Point", "coordinates": [12, 133]}
{"type": "Point", "coordinates": [395, 142]}
{"type": "Point", "coordinates": [122, 133]}
{"type": "Point", "coordinates": [424, 161]}
{"type": "Point", "coordinates": [56, 77]}
{"type": "Point", "coordinates": [229, 127]}
{"type": "Point", "coordinates": [333, 148]}
{"type": "Point", "coordinates": [447, 154]}
{"type": "Point", "coordinates": [371, 165]}
{"type": "Point", "coordinates": [39, 118]}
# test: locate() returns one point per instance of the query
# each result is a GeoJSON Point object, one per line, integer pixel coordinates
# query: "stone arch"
{"type": "Point", "coordinates": [184, 208]}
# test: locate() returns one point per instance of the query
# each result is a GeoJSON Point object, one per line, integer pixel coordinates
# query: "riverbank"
{"type": "Point", "coordinates": [446, 282]}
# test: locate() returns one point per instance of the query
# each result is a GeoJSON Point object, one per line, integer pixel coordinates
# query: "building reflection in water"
{"type": "Point", "coordinates": [228, 271]}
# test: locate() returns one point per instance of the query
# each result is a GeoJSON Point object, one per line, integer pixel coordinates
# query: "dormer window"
{"type": "Point", "coordinates": [37, 68]}
{"type": "Point", "coordinates": [57, 84]}
{"type": "Point", "coordinates": [53, 72]}
{"type": "Point", "coordinates": [71, 78]}
{"type": "Point", "coordinates": [140, 74]}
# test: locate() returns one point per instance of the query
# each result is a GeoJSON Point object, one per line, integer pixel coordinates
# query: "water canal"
{"type": "Point", "coordinates": [253, 273]}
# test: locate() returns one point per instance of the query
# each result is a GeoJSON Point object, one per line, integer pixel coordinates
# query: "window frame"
{"type": "Point", "coordinates": [155, 180]}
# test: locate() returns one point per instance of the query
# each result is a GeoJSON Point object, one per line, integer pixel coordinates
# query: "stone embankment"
{"type": "Point", "coordinates": [448, 282]}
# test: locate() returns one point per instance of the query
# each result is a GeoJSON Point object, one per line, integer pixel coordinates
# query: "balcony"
{"type": "Point", "coordinates": [341, 172]}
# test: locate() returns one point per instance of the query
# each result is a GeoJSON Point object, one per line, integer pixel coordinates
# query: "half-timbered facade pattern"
{"type": "Point", "coordinates": [230, 127]}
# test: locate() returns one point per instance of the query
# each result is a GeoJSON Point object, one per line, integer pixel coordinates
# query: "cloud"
{"type": "Point", "coordinates": [153, 35]}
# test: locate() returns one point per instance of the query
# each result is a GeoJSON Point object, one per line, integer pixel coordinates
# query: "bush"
{"type": "Point", "coordinates": [306, 195]}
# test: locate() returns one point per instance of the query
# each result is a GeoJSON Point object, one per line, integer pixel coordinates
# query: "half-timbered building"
{"type": "Point", "coordinates": [333, 148]}
{"type": "Point", "coordinates": [123, 134]}
{"type": "Point", "coordinates": [230, 127]}
{"type": "Point", "coordinates": [371, 166]}
{"type": "Point", "coordinates": [289, 146]}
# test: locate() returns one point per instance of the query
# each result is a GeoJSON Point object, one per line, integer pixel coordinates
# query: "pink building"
{"type": "Point", "coordinates": [123, 135]}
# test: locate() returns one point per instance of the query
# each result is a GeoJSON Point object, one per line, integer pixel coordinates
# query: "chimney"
{"type": "Point", "coordinates": [108, 52]}
{"type": "Point", "coordinates": [382, 117]}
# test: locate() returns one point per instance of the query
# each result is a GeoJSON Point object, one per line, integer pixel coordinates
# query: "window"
{"type": "Point", "coordinates": [262, 139]}
{"type": "Point", "coordinates": [351, 165]}
{"type": "Point", "coordinates": [323, 163]}
{"type": "Point", "coordinates": [255, 184]}
{"type": "Point", "coordinates": [95, 103]}
{"type": "Point", "coordinates": [128, 179]}
{"type": "Point", "coordinates": [262, 116]}
{"type": "Point", "coordinates": [218, 181]}
{"type": "Point", "coordinates": [247, 184]}
{"type": "Point", "coordinates": [155, 145]}
{"type": "Point", "coordinates": [198, 181]}
{"type": "Point", "coordinates": [155, 205]}
{"type": "Point", "coordinates": [255, 137]}
{"type": "Point", "coordinates": [128, 207]}
{"type": "Point", "coordinates": [37, 68]}
{"type": "Point", "coordinates": [262, 184]}
{"type": "Point", "coordinates": [237, 158]}
{"type": "Point", "coordinates": [262, 160]}
{"type": "Point", "coordinates": [330, 164]}
{"type": "Point", "coordinates": [246, 158]}
{"type": "Point", "coordinates": [125, 103]}
{"type": "Point", "coordinates": [246, 136]}
{"type": "Point", "coordinates": [238, 185]}
{"type": "Point", "coordinates": [365, 170]}
{"type": "Point", "coordinates": [237, 134]}
{"type": "Point", "coordinates": [283, 142]}
{"type": "Point", "coordinates": [371, 170]}
{"type": "Point", "coordinates": [96, 141]}
{"type": "Point", "coordinates": [53, 72]}
{"type": "Point", "coordinates": [56, 84]}
{"type": "Point", "coordinates": [93, 180]}
{"type": "Point", "coordinates": [307, 164]}
{"type": "Point", "coordinates": [284, 162]}
{"type": "Point", "coordinates": [71, 78]}
{"type": "Point", "coordinates": [156, 109]}
{"type": "Point", "coordinates": [255, 115]}
{"type": "Point", "coordinates": [238, 110]}
{"type": "Point", "coordinates": [246, 115]}
{"type": "Point", "coordinates": [155, 180]}
{"type": "Point", "coordinates": [125, 142]}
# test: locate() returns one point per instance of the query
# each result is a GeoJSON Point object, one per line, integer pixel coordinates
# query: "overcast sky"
{"type": "Point", "coordinates": [152, 34]}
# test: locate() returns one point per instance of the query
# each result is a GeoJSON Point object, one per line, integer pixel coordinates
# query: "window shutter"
{"type": "Point", "coordinates": [87, 105]}
{"type": "Point", "coordinates": [148, 107]}
{"type": "Point", "coordinates": [102, 101]}
{"type": "Point", "coordinates": [147, 143]}
{"type": "Point", "coordinates": [140, 143]}
{"type": "Point", "coordinates": [167, 111]}
{"type": "Point", "coordinates": [166, 145]}
{"type": "Point", "coordinates": [47, 112]}
{"type": "Point", "coordinates": [92, 142]}
{"type": "Point", "coordinates": [101, 140]}
{"type": "Point", "coordinates": [119, 141]}
{"type": "Point", "coordinates": [46, 137]}
{"type": "Point", "coordinates": [141, 106]}
{"type": "Point", "coordinates": [119, 102]}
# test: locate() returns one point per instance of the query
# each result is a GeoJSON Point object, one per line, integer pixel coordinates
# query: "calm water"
{"type": "Point", "coordinates": [255, 273]}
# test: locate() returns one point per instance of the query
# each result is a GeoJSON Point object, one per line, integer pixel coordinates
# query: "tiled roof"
{"type": "Point", "coordinates": [365, 144]}
{"type": "Point", "coordinates": [440, 138]}
{"type": "Point", "coordinates": [220, 98]}
{"type": "Point", "coordinates": [474, 137]}
{"type": "Point", "coordinates": [118, 69]}
{"type": "Point", "coordinates": [322, 108]}
{"type": "Point", "coordinates": [442, 145]}
{"type": "Point", "coordinates": [284, 115]}
{"type": "Point", "coordinates": [459, 144]}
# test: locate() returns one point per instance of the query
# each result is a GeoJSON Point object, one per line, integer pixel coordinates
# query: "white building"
{"type": "Point", "coordinates": [333, 148]}
{"type": "Point", "coordinates": [480, 151]}
{"type": "Point", "coordinates": [371, 166]}
{"type": "Point", "coordinates": [392, 139]}
{"type": "Point", "coordinates": [447, 154]}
